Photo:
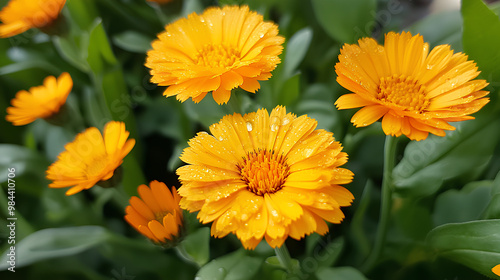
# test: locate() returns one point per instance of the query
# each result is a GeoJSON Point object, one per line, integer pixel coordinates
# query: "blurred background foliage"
{"type": "Point", "coordinates": [445, 218]}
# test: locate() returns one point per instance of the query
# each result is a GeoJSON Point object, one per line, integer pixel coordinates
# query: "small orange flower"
{"type": "Point", "coordinates": [217, 51]}
{"type": "Point", "coordinates": [21, 15]}
{"type": "Point", "coordinates": [496, 269]}
{"type": "Point", "coordinates": [90, 158]}
{"type": "Point", "coordinates": [266, 176]}
{"type": "Point", "coordinates": [414, 92]}
{"type": "Point", "coordinates": [40, 102]}
{"type": "Point", "coordinates": [156, 214]}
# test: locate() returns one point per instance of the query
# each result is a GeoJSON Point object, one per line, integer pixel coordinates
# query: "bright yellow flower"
{"type": "Point", "coordinates": [40, 102]}
{"type": "Point", "coordinates": [90, 158]}
{"type": "Point", "coordinates": [216, 51]}
{"type": "Point", "coordinates": [21, 15]}
{"type": "Point", "coordinates": [265, 176]}
{"type": "Point", "coordinates": [496, 269]}
{"type": "Point", "coordinates": [156, 214]}
{"type": "Point", "coordinates": [416, 92]}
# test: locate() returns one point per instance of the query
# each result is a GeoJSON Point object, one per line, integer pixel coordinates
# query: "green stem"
{"type": "Point", "coordinates": [285, 260]}
{"type": "Point", "coordinates": [386, 203]}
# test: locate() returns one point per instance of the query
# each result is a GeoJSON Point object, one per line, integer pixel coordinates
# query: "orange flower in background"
{"type": "Point", "coordinates": [90, 158]}
{"type": "Point", "coordinates": [265, 176]}
{"type": "Point", "coordinates": [156, 214]}
{"type": "Point", "coordinates": [216, 51]}
{"type": "Point", "coordinates": [41, 101]}
{"type": "Point", "coordinates": [413, 90]}
{"type": "Point", "coordinates": [496, 269]}
{"type": "Point", "coordinates": [21, 15]}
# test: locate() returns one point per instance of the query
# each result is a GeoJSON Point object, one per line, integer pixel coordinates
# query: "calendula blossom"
{"type": "Point", "coordinates": [156, 214]}
{"type": "Point", "coordinates": [496, 269]}
{"type": "Point", "coordinates": [217, 51]}
{"type": "Point", "coordinates": [91, 158]}
{"type": "Point", "coordinates": [414, 91]}
{"type": "Point", "coordinates": [41, 101]}
{"type": "Point", "coordinates": [266, 176]}
{"type": "Point", "coordinates": [20, 15]}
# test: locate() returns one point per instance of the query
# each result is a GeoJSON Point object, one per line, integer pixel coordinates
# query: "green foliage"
{"type": "Point", "coordinates": [475, 244]}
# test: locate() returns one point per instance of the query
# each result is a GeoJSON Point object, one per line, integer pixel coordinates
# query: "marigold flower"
{"type": "Point", "coordinates": [265, 176]}
{"type": "Point", "coordinates": [91, 158]}
{"type": "Point", "coordinates": [156, 214]}
{"type": "Point", "coordinates": [21, 15]}
{"type": "Point", "coordinates": [496, 269]}
{"type": "Point", "coordinates": [41, 101]}
{"type": "Point", "coordinates": [414, 90]}
{"type": "Point", "coordinates": [216, 51]}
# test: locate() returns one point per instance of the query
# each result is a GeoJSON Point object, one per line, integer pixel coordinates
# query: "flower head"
{"type": "Point", "coordinates": [496, 269]}
{"type": "Point", "coordinates": [90, 158]}
{"type": "Point", "coordinates": [265, 176]}
{"type": "Point", "coordinates": [414, 90]}
{"type": "Point", "coordinates": [40, 102]}
{"type": "Point", "coordinates": [21, 15]}
{"type": "Point", "coordinates": [217, 51]}
{"type": "Point", "coordinates": [156, 214]}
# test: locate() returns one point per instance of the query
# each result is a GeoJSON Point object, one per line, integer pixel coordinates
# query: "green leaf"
{"type": "Point", "coordinates": [345, 273]}
{"type": "Point", "coordinates": [54, 242]}
{"type": "Point", "coordinates": [22, 159]}
{"type": "Point", "coordinates": [467, 204]}
{"type": "Point", "coordinates": [427, 164]}
{"type": "Point", "coordinates": [195, 247]}
{"type": "Point", "coordinates": [233, 266]}
{"type": "Point", "coordinates": [316, 102]}
{"type": "Point", "coordinates": [474, 244]}
{"type": "Point", "coordinates": [346, 21]}
{"type": "Point", "coordinates": [296, 49]}
{"type": "Point", "coordinates": [133, 41]}
{"type": "Point", "coordinates": [71, 52]}
{"type": "Point", "coordinates": [82, 12]}
{"type": "Point", "coordinates": [99, 51]}
{"type": "Point", "coordinates": [289, 91]}
{"type": "Point", "coordinates": [413, 219]}
{"type": "Point", "coordinates": [449, 31]}
{"type": "Point", "coordinates": [481, 38]}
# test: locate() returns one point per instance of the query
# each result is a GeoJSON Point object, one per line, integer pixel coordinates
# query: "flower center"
{"type": "Point", "coordinates": [264, 172]}
{"type": "Point", "coordinates": [219, 55]}
{"type": "Point", "coordinates": [404, 92]}
{"type": "Point", "coordinates": [160, 215]}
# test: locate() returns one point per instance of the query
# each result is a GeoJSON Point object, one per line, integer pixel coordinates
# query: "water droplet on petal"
{"type": "Point", "coordinates": [249, 126]}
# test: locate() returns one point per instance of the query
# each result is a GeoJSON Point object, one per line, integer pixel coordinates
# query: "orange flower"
{"type": "Point", "coordinates": [90, 158]}
{"type": "Point", "coordinates": [21, 15]}
{"type": "Point", "coordinates": [156, 214]}
{"type": "Point", "coordinates": [265, 176]}
{"type": "Point", "coordinates": [216, 51]}
{"type": "Point", "coordinates": [416, 92]}
{"type": "Point", "coordinates": [496, 269]}
{"type": "Point", "coordinates": [41, 101]}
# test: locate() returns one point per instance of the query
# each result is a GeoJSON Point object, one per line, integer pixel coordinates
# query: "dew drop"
{"type": "Point", "coordinates": [249, 126]}
{"type": "Point", "coordinates": [308, 152]}
{"type": "Point", "coordinates": [285, 121]}
{"type": "Point", "coordinates": [275, 121]}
